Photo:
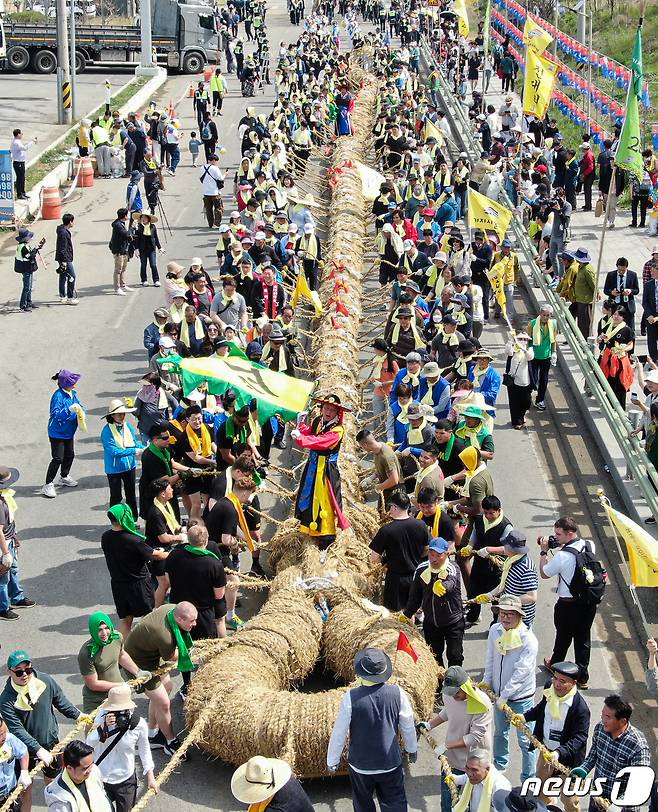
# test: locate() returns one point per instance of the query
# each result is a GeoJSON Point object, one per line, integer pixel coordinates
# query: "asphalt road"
{"type": "Point", "coordinates": [29, 101]}
{"type": "Point", "coordinates": [548, 471]}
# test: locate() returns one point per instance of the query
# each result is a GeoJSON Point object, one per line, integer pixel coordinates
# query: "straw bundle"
{"type": "Point", "coordinates": [258, 671]}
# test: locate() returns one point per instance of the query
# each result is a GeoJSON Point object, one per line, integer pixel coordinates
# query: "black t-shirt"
{"type": "Point", "coordinates": [185, 446]}
{"type": "Point", "coordinates": [222, 441]}
{"type": "Point", "coordinates": [194, 577]}
{"type": "Point", "coordinates": [402, 542]}
{"type": "Point", "coordinates": [453, 465]}
{"type": "Point", "coordinates": [152, 468]}
{"type": "Point", "coordinates": [217, 491]}
{"type": "Point", "coordinates": [126, 555]}
{"type": "Point", "coordinates": [222, 519]}
{"type": "Point", "coordinates": [446, 529]}
{"type": "Point", "coordinates": [156, 525]}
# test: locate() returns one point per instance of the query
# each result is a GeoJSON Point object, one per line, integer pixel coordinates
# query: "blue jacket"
{"type": "Point", "coordinates": [392, 398]}
{"type": "Point", "coordinates": [396, 431]}
{"type": "Point", "coordinates": [447, 211]}
{"type": "Point", "coordinates": [118, 460]}
{"type": "Point", "coordinates": [152, 339]}
{"type": "Point", "coordinates": [440, 396]}
{"type": "Point", "coordinates": [489, 385]}
{"type": "Point", "coordinates": [63, 423]}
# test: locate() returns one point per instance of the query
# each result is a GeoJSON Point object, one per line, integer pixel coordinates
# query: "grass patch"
{"type": "Point", "coordinates": [52, 157]}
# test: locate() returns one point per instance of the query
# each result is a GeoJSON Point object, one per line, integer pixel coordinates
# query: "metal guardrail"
{"type": "Point", "coordinates": [643, 473]}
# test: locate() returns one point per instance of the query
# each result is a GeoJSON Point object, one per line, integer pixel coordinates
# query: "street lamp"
{"type": "Point", "coordinates": [586, 16]}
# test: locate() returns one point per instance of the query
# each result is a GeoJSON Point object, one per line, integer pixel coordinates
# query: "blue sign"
{"type": "Point", "coordinates": [6, 189]}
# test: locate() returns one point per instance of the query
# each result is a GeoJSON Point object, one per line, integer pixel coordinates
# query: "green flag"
{"type": "Point", "coordinates": [487, 28]}
{"type": "Point", "coordinates": [629, 152]}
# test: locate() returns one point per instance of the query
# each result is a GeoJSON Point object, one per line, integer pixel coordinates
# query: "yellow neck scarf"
{"type": "Point", "coordinates": [281, 357]}
{"type": "Point", "coordinates": [256, 432]}
{"type": "Point", "coordinates": [478, 701]}
{"type": "Point", "coordinates": [185, 331]}
{"type": "Point", "coordinates": [441, 573]}
{"type": "Point", "coordinates": [490, 525]}
{"type": "Point", "coordinates": [463, 804]}
{"type": "Point", "coordinates": [200, 445]}
{"type": "Point", "coordinates": [538, 328]}
{"type": "Point", "coordinates": [464, 432]}
{"type": "Point", "coordinates": [507, 566]}
{"type": "Point", "coordinates": [177, 313]}
{"type": "Point", "coordinates": [170, 517]}
{"type": "Point", "coordinates": [435, 521]}
{"type": "Point", "coordinates": [27, 695]}
{"type": "Point", "coordinates": [510, 639]}
{"type": "Point", "coordinates": [8, 496]}
{"type": "Point", "coordinates": [98, 801]}
{"type": "Point", "coordinates": [412, 380]}
{"type": "Point", "coordinates": [415, 436]}
{"type": "Point", "coordinates": [420, 476]}
{"type": "Point", "coordinates": [242, 520]}
{"type": "Point", "coordinates": [261, 807]}
{"type": "Point", "coordinates": [478, 373]}
{"type": "Point", "coordinates": [377, 366]}
{"type": "Point", "coordinates": [418, 340]}
{"type": "Point", "coordinates": [122, 437]}
{"type": "Point", "coordinates": [553, 700]}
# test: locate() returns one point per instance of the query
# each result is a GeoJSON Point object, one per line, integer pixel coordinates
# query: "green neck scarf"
{"type": "Point", "coordinates": [123, 515]}
{"type": "Point", "coordinates": [231, 429]}
{"type": "Point", "coordinates": [199, 551]}
{"type": "Point", "coordinates": [162, 454]}
{"type": "Point", "coordinates": [96, 644]}
{"type": "Point", "coordinates": [447, 451]}
{"type": "Point", "coordinates": [184, 643]}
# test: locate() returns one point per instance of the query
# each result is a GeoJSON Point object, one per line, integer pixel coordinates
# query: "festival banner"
{"type": "Point", "coordinates": [430, 130]}
{"type": "Point", "coordinates": [485, 213]}
{"type": "Point", "coordinates": [535, 37]}
{"type": "Point", "coordinates": [459, 7]}
{"type": "Point", "coordinates": [641, 547]}
{"type": "Point", "coordinates": [538, 87]}
{"type": "Point", "coordinates": [275, 392]}
{"type": "Point", "coordinates": [7, 216]}
{"type": "Point", "coordinates": [629, 151]}
{"type": "Point", "coordinates": [486, 45]}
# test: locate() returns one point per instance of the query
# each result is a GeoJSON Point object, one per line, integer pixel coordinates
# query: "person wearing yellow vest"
{"type": "Point", "coordinates": [561, 720]}
{"type": "Point", "coordinates": [101, 141]}
{"type": "Point", "coordinates": [218, 88]}
{"type": "Point", "coordinates": [120, 452]}
{"type": "Point", "coordinates": [79, 786]}
{"type": "Point", "coordinates": [510, 673]}
{"type": "Point", "coordinates": [11, 592]}
{"type": "Point", "coordinates": [468, 713]}
{"type": "Point", "coordinates": [268, 784]}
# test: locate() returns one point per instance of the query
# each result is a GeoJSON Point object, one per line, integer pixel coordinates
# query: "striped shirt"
{"type": "Point", "coordinates": [523, 578]}
{"type": "Point", "coordinates": [608, 755]}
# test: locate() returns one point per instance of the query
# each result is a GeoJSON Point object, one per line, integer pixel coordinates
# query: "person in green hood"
{"type": "Point", "coordinates": [99, 660]}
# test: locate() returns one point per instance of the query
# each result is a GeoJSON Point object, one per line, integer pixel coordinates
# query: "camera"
{"type": "Point", "coordinates": [122, 719]}
{"type": "Point", "coordinates": [553, 543]}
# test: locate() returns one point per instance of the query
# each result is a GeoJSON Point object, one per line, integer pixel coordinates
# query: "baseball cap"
{"type": "Point", "coordinates": [407, 244]}
{"type": "Point", "coordinates": [167, 342]}
{"type": "Point", "coordinates": [18, 657]}
{"type": "Point", "coordinates": [439, 545]}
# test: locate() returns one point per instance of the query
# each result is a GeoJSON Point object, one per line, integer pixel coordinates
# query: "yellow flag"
{"type": "Point", "coordinates": [371, 180]}
{"type": "Point", "coordinates": [276, 392]}
{"type": "Point", "coordinates": [485, 213]}
{"type": "Point", "coordinates": [496, 276]}
{"type": "Point", "coordinates": [431, 130]}
{"type": "Point", "coordinates": [538, 87]}
{"type": "Point", "coordinates": [535, 37]}
{"type": "Point", "coordinates": [459, 7]}
{"type": "Point", "coordinates": [642, 549]}
{"type": "Point", "coordinates": [303, 291]}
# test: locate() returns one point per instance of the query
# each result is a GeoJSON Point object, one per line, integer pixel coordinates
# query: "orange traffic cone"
{"type": "Point", "coordinates": [51, 203]}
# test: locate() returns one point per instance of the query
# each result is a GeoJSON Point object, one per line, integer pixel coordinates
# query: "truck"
{"type": "Point", "coordinates": [184, 37]}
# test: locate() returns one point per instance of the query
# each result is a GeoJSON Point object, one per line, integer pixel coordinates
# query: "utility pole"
{"type": "Point", "coordinates": [63, 70]}
{"type": "Point", "coordinates": [146, 64]}
{"type": "Point", "coordinates": [556, 20]}
{"type": "Point", "coordinates": [72, 59]}
{"type": "Point", "coordinates": [582, 23]}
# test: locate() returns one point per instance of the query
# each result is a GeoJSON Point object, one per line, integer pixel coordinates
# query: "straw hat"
{"type": "Point", "coordinates": [118, 699]}
{"type": "Point", "coordinates": [118, 406]}
{"type": "Point", "coordinates": [259, 778]}
{"type": "Point", "coordinates": [136, 215]}
{"type": "Point", "coordinates": [308, 200]}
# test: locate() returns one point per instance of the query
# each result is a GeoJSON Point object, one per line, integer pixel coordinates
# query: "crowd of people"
{"type": "Point", "coordinates": [184, 479]}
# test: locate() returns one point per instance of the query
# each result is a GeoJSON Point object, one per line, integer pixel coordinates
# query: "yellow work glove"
{"type": "Point", "coordinates": [466, 552]}
{"type": "Point", "coordinates": [484, 598]}
{"type": "Point", "coordinates": [550, 756]}
{"type": "Point", "coordinates": [85, 719]}
{"type": "Point", "coordinates": [450, 780]}
{"type": "Point", "coordinates": [517, 719]}
{"type": "Point", "coordinates": [484, 686]}
{"type": "Point", "coordinates": [438, 589]}
{"type": "Point", "coordinates": [403, 618]}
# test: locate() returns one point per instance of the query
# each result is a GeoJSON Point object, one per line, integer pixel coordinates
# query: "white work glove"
{"type": "Point", "coordinates": [24, 779]}
{"type": "Point", "coordinates": [332, 768]}
{"type": "Point", "coordinates": [45, 755]}
{"type": "Point", "coordinates": [483, 553]}
{"type": "Point", "coordinates": [7, 560]}
{"type": "Point", "coordinates": [500, 702]}
{"type": "Point", "coordinates": [296, 434]}
{"type": "Point", "coordinates": [440, 749]}
{"type": "Point", "coordinates": [142, 674]}
{"type": "Point", "coordinates": [554, 359]}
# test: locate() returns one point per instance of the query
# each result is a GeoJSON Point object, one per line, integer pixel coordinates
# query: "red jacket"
{"type": "Point", "coordinates": [587, 165]}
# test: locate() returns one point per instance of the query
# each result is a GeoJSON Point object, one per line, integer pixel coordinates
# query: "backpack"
{"type": "Point", "coordinates": [206, 133]}
{"type": "Point", "coordinates": [589, 578]}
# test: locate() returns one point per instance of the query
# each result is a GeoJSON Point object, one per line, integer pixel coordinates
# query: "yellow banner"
{"type": "Point", "coordinates": [459, 7]}
{"type": "Point", "coordinates": [642, 549]}
{"type": "Point", "coordinates": [303, 291]}
{"type": "Point", "coordinates": [431, 130]}
{"type": "Point", "coordinates": [275, 392]}
{"type": "Point", "coordinates": [485, 213]}
{"type": "Point", "coordinates": [538, 87]}
{"type": "Point", "coordinates": [496, 275]}
{"type": "Point", "coordinates": [535, 37]}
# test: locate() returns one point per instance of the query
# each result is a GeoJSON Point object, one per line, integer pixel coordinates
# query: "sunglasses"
{"type": "Point", "coordinates": [161, 437]}
{"type": "Point", "coordinates": [21, 672]}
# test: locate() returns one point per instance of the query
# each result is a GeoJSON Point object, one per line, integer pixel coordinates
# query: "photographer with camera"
{"type": "Point", "coordinates": [212, 180]}
{"type": "Point", "coordinates": [561, 210]}
{"type": "Point", "coordinates": [25, 263]}
{"type": "Point", "coordinates": [581, 582]}
{"type": "Point", "coordinates": [117, 731]}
